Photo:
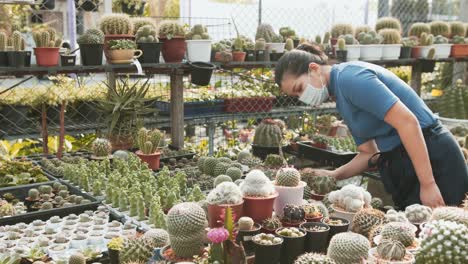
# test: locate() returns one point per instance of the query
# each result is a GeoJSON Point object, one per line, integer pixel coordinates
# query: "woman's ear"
{"type": "Point", "coordinates": [313, 66]}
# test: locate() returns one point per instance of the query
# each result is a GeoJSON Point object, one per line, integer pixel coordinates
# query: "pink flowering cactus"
{"type": "Point", "coordinates": [218, 235]}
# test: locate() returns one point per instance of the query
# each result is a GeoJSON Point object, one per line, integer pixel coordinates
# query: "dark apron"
{"type": "Point", "coordinates": [448, 165]}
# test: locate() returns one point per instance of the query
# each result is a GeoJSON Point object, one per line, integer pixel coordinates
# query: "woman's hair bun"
{"type": "Point", "coordinates": [315, 50]}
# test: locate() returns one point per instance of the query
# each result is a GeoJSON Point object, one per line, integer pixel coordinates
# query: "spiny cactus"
{"type": "Point", "coordinates": [365, 219]}
{"type": "Point", "coordinates": [443, 242]}
{"type": "Point", "coordinates": [439, 39]}
{"type": "Point", "coordinates": [326, 38]}
{"type": "Point", "coordinates": [458, 40]}
{"type": "Point", "coordinates": [47, 206]}
{"type": "Point", "coordinates": [101, 147]}
{"type": "Point", "coordinates": [225, 193]}
{"type": "Point", "coordinates": [417, 29]}
{"type": "Point", "coordinates": [265, 31]}
{"type": "Point", "coordinates": [116, 24]}
{"type": "Point", "coordinates": [351, 198]}
{"type": "Point", "coordinates": [376, 202]}
{"type": "Point", "coordinates": [426, 40]}
{"type": "Point", "coordinates": [221, 168]}
{"type": "Point", "coordinates": [139, 22]}
{"type": "Point", "coordinates": [158, 237]}
{"type": "Point", "coordinates": [394, 216]}
{"type": "Point", "coordinates": [186, 224]}
{"type": "Point", "coordinates": [402, 232]}
{"type": "Point", "coordinates": [268, 134]}
{"type": "Point", "coordinates": [289, 44]}
{"type": "Point", "coordinates": [3, 41]}
{"type": "Point", "coordinates": [287, 32]}
{"type": "Point", "coordinates": [322, 184]}
{"type": "Point", "coordinates": [221, 178]}
{"type": "Point", "coordinates": [274, 161]}
{"type": "Point", "coordinates": [389, 249]}
{"type": "Point", "coordinates": [313, 258]}
{"type": "Point", "coordinates": [245, 223]}
{"type": "Point", "coordinates": [390, 36]}
{"type": "Point", "coordinates": [33, 194]}
{"type": "Point", "coordinates": [17, 41]}
{"type": "Point", "coordinates": [293, 213]}
{"type": "Point", "coordinates": [234, 173]}
{"type": "Point", "coordinates": [440, 28]}
{"type": "Point", "coordinates": [452, 102]}
{"type": "Point", "coordinates": [77, 258]}
{"type": "Point", "coordinates": [454, 214]}
{"type": "Point", "coordinates": [91, 36]}
{"type": "Point", "coordinates": [257, 184]}
{"type": "Point", "coordinates": [289, 177]}
{"type": "Point", "coordinates": [260, 44]}
{"type": "Point", "coordinates": [341, 29]}
{"type": "Point", "coordinates": [369, 38]}
{"type": "Point", "coordinates": [348, 248]}
{"type": "Point", "coordinates": [341, 44]}
{"type": "Point", "coordinates": [386, 23]}
{"type": "Point", "coordinates": [136, 250]}
{"type": "Point", "coordinates": [417, 213]}
{"type": "Point", "coordinates": [457, 28]}
{"type": "Point", "coordinates": [360, 29]}
{"type": "Point", "coordinates": [149, 140]}
{"type": "Point", "coordinates": [146, 34]}
{"type": "Point", "coordinates": [171, 29]}
{"type": "Point", "coordinates": [209, 165]}
{"type": "Point", "coordinates": [198, 32]}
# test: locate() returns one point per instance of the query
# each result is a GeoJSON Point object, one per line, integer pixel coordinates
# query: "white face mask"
{"type": "Point", "coordinates": [314, 96]}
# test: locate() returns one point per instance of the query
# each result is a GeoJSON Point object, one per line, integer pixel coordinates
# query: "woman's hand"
{"type": "Point", "coordinates": [319, 172]}
{"type": "Point", "coordinates": [430, 195]}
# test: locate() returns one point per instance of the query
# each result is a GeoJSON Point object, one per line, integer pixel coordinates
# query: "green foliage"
{"type": "Point", "coordinates": [122, 44]}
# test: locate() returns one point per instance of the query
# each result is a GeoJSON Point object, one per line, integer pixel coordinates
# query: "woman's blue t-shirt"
{"type": "Point", "coordinates": [364, 93]}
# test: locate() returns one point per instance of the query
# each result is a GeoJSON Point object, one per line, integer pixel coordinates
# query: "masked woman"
{"type": "Point", "coordinates": [418, 159]}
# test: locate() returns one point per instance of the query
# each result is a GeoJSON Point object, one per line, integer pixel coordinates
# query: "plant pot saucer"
{"type": "Point", "coordinates": [121, 61]}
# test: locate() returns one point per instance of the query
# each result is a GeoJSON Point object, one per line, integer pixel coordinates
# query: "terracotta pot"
{"type": "Point", "coordinates": [151, 159]}
{"type": "Point", "coordinates": [128, 55]}
{"type": "Point", "coordinates": [289, 224]}
{"type": "Point", "coordinates": [316, 197]}
{"type": "Point", "coordinates": [459, 50]}
{"type": "Point", "coordinates": [216, 213]}
{"type": "Point", "coordinates": [238, 56]}
{"type": "Point", "coordinates": [173, 50]}
{"type": "Point", "coordinates": [416, 52]}
{"type": "Point", "coordinates": [107, 38]}
{"type": "Point", "coordinates": [259, 208]}
{"type": "Point", "coordinates": [314, 219]}
{"type": "Point", "coordinates": [47, 57]}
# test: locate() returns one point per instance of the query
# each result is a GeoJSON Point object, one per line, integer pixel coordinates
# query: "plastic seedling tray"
{"type": "Point", "coordinates": [21, 193]}
{"type": "Point", "coordinates": [49, 176]}
{"type": "Point", "coordinates": [307, 151]}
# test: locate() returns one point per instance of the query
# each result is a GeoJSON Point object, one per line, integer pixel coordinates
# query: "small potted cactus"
{"type": "Point", "coordinates": [250, 54]}
{"type": "Point", "coordinates": [172, 35]}
{"type": "Point", "coordinates": [115, 27]}
{"type": "Point", "coordinates": [259, 195]}
{"type": "Point", "coordinates": [348, 247]}
{"type": "Point", "coordinates": [149, 142]}
{"type": "Point", "coordinates": [91, 47]}
{"type": "Point", "coordinates": [273, 41]}
{"type": "Point", "coordinates": [341, 52]}
{"type": "Point", "coordinates": [407, 45]}
{"type": "Point", "coordinates": [336, 224]}
{"type": "Point", "coordinates": [47, 47]}
{"type": "Point", "coordinates": [238, 53]}
{"type": "Point", "coordinates": [321, 185]}
{"type": "Point", "coordinates": [442, 47]}
{"type": "Point", "coordinates": [148, 42]}
{"type": "Point", "coordinates": [348, 200]}
{"type": "Point", "coordinates": [246, 229]}
{"type": "Point", "coordinates": [390, 252]}
{"type": "Point", "coordinates": [425, 44]}
{"type": "Point", "coordinates": [293, 243]}
{"type": "Point", "coordinates": [67, 58]}
{"type": "Point", "coordinates": [17, 57]}
{"type": "Point", "coordinates": [226, 194]}
{"type": "Point", "coordinates": [122, 51]}
{"type": "Point", "coordinates": [102, 149]}
{"type": "Point", "coordinates": [391, 47]}
{"type": "Point", "coordinates": [418, 28]}
{"type": "Point", "coordinates": [3, 49]}
{"type": "Point", "coordinates": [267, 248]}
{"type": "Point", "coordinates": [460, 45]}
{"type": "Point", "coordinates": [337, 30]}
{"type": "Point", "coordinates": [292, 216]}
{"type": "Point", "coordinates": [261, 54]}
{"type": "Point", "coordinates": [198, 44]}
{"type": "Point", "coordinates": [371, 49]}
{"type": "Point", "coordinates": [352, 47]}
{"type": "Point", "coordinates": [441, 28]}
{"type": "Point", "coordinates": [114, 247]}
{"type": "Point", "coordinates": [312, 212]}
{"type": "Point", "coordinates": [403, 232]}
{"type": "Point", "coordinates": [418, 214]}
{"type": "Point", "coordinates": [270, 224]}
{"type": "Point", "coordinates": [290, 189]}
{"type": "Point", "coordinates": [317, 236]}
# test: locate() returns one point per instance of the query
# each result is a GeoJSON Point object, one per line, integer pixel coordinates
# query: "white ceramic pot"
{"type": "Point", "coordinates": [288, 195]}
{"type": "Point", "coordinates": [391, 51]}
{"type": "Point", "coordinates": [57, 252]}
{"type": "Point", "coordinates": [96, 238]}
{"type": "Point", "coordinates": [354, 52]}
{"type": "Point", "coordinates": [278, 47]}
{"type": "Point", "coordinates": [371, 52]}
{"type": "Point", "coordinates": [343, 214]}
{"type": "Point", "coordinates": [372, 259]}
{"type": "Point", "coordinates": [425, 51]}
{"type": "Point", "coordinates": [199, 50]}
{"type": "Point", "coordinates": [79, 244]}
{"type": "Point", "coordinates": [442, 51]}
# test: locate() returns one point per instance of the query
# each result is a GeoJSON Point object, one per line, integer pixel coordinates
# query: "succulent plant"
{"type": "Point", "coordinates": [149, 140]}
{"type": "Point", "coordinates": [341, 43]}
{"type": "Point", "coordinates": [360, 29]}
{"type": "Point", "coordinates": [370, 38]}
{"type": "Point", "coordinates": [265, 31]}
{"type": "Point", "coordinates": [234, 173]}
{"type": "Point", "coordinates": [272, 223]}
{"type": "Point", "coordinates": [225, 193]}
{"type": "Point", "coordinates": [314, 258]}
{"type": "Point", "coordinates": [33, 194]}
{"type": "Point", "coordinates": [209, 165]}
{"type": "Point", "coordinates": [171, 29]}
{"type": "Point", "coordinates": [394, 216]}
{"type": "Point", "coordinates": [46, 38]}
{"type": "Point", "coordinates": [402, 232]}
{"type": "Point", "coordinates": [322, 184]}
{"type": "Point", "coordinates": [136, 250]}
{"type": "Point", "coordinates": [260, 44]}
{"type": "Point", "coordinates": [221, 168]}
{"type": "Point", "coordinates": [101, 147]}
{"type": "Point", "coordinates": [289, 44]}
{"type": "Point", "coordinates": [221, 178]}
{"type": "Point", "coordinates": [91, 36]}
{"type": "Point", "coordinates": [116, 24]}
{"type": "Point", "coordinates": [417, 213]}
{"type": "Point", "coordinates": [290, 232]}
{"type": "Point", "coordinates": [47, 206]}
{"type": "Point", "coordinates": [458, 40]}
{"type": "Point", "coordinates": [288, 177]}
{"type": "Point", "coordinates": [157, 237]}
{"type": "Point", "coordinates": [287, 32]}
{"type": "Point", "coordinates": [440, 28]}
{"type": "Point", "coordinates": [443, 242]}
{"type": "Point", "coordinates": [268, 134]}
{"type": "Point", "coordinates": [341, 29]}
{"type": "Point", "coordinates": [351, 198]}
{"type": "Point", "coordinates": [77, 258]}
{"type": "Point", "coordinates": [365, 219]}
{"type": "Point", "coordinates": [376, 202]}
{"type": "Point", "coordinates": [274, 161]}
{"type": "Point", "coordinates": [426, 40]}
{"type": "Point", "coordinates": [267, 239]}
{"type": "Point", "coordinates": [417, 29]}
{"type": "Point", "coordinates": [257, 184]}
{"type": "Point", "coordinates": [455, 214]}
{"type": "Point", "coordinates": [390, 36]}
{"type": "Point", "coordinates": [388, 23]}
{"type": "Point", "coordinates": [139, 22]}
{"type": "Point", "coordinates": [146, 34]}
{"type": "Point", "coordinates": [186, 224]}
{"type": "Point", "coordinates": [389, 249]}
{"type": "Point", "coordinates": [348, 248]}
{"type": "Point", "coordinates": [293, 213]}
{"type": "Point", "coordinates": [457, 28]}
{"type": "Point", "coordinates": [245, 223]}
{"type": "Point", "coordinates": [17, 41]}
{"type": "Point", "coordinates": [198, 32]}
{"type": "Point", "coordinates": [3, 41]}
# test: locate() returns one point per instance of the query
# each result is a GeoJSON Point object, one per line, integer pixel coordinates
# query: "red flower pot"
{"type": "Point", "coordinates": [416, 52]}
{"type": "Point", "coordinates": [47, 57]}
{"type": "Point", "coordinates": [173, 50]}
{"type": "Point", "coordinates": [317, 197]}
{"type": "Point", "coordinates": [107, 38]}
{"type": "Point", "coordinates": [314, 219]}
{"type": "Point", "coordinates": [238, 56]}
{"type": "Point", "coordinates": [288, 224]}
{"type": "Point", "coordinates": [259, 208]}
{"type": "Point", "coordinates": [151, 159]}
{"type": "Point", "coordinates": [216, 213]}
{"type": "Point", "coordinates": [459, 50]}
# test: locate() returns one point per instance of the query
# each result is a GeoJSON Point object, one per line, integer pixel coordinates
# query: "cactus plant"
{"type": "Point", "coordinates": [443, 242]}
{"type": "Point", "coordinates": [139, 22]}
{"type": "Point", "coordinates": [457, 28]}
{"type": "Point", "coordinates": [33, 194]}
{"type": "Point", "coordinates": [288, 177]}
{"type": "Point", "coordinates": [326, 38]}
{"type": "Point", "coordinates": [341, 29]}
{"type": "Point", "coordinates": [458, 40]}
{"type": "Point", "coordinates": [77, 258]}
{"type": "Point", "coordinates": [341, 44]}
{"type": "Point", "coordinates": [171, 29]}
{"type": "Point", "coordinates": [439, 39]}
{"type": "Point", "coordinates": [268, 134]}
{"type": "Point", "coordinates": [350, 198]}
{"type": "Point", "coordinates": [221, 168]}
{"type": "Point", "coordinates": [209, 165]}
{"type": "Point", "coordinates": [274, 161]}
{"type": "Point", "coordinates": [186, 224]}
{"type": "Point", "coordinates": [417, 29]}
{"type": "Point", "coordinates": [146, 34]}
{"type": "Point", "coordinates": [47, 206]}
{"type": "Point", "coordinates": [313, 258]}
{"type": "Point", "coordinates": [3, 41]}
{"type": "Point", "coordinates": [221, 178]}
{"type": "Point", "coordinates": [46, 38]}
{"type": "Point", "coordinates": [348, 248]}
{"type": "Point", "coordinates": [365, 219]}
{"type": "Point", "coordinates": [234, 173]}
{"type": "Point", "coordinates": [157, 237]}
{"type": "Point", "coordinates": [116, 24]}
{"type": "Point", "coordinates": [293, 214]}
{"type": "Point", "coordinates": [388, 23]}
{"type": "Point", "coordinates": [369, 38]}
{"type": "Point", "coordinates": [287, 32]}
{"type": "Point", "coordinates": [391, 250]}
{"type": "Point", "coordinates": [440, 28]}
{"type": "Point", "coordinates": [402, 232]}
{"type": "Point", "coordinates": [390, 36]}
{"type": "Point", "coordinates": [454, 214]}
{"type": "Point", "coordinates": [17, 41]}
{"type": "Point", "coordinates": [136, 250]}
{"type": "Point", "coordinates": [197, 32]}
{"type": "Point", "coordinates": [260, 44]}
{"type": "Point", "coordinates": [91, 36]}
{"type": "Point", "coordinates": [417, 213]}
{"type": "Point", "coordinates": [225, 193]}
{"type": "Point", "coordinates": [289, 44]}
{"type": "Point", "coordinates": [360, 29]}
{"type": "Point", "coordinates": [149, 141]}
{"type": "Point", "coordinates": [322, 184]}
{"type": "Point", "coordinates": [257, 184]}
{"type": "Point", "coordinates": [452, 102]}
{"type": "Point", "coordinates": [101, 147]}
{"type": "Point", "coordinates": [266, 32]}
{"type": "Point", "coordinates": [426, 40]}
{"type": "Point", "coordinates": [245, 223]}
{"type": "Point", "coordinates": [394, 216]}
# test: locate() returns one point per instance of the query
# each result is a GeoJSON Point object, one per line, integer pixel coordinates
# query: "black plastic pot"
{"type": "Point", "coordinates": [91, 54]}
{"type": "Point", "coordinates": [151, 52]}
{"type": "Point", "coordinates": [245, 237]}
{"type": "Point", "coordinates": [341, 55]}
{"type": "Point", "coordinates": [250, 55]}
{"type": "Point", "coordinates": [67, 60]}
{"type": "Point", "coordinates": [47, 5]}
{"type": "Point", "coordinates": [275, 56]}
{"type": "Point", "coordinates": [27, 59]}
{"type": "Point", "coordinates": [335, 229]}
{"type": "Point", "coordinates": [131, 9]}
{"type": "Point", "coordinates": [296, 42]}
{"type": "Point", "coordinates": [405, 53]}
{"type": "Point", "coordinates": [262, 152]}
{"type": "Point", "coordinates": [213, 55]}
{"type": "Point", "coordinates": [114, 256]}
{"type": "Point", "coordinates": [3, 58]}
{"type": "Point", "coordinates": [292, 248]}
{"type": "Point", "coordinates": [262, 55]}
{"type": "Point", "coordinates": [316, 241]}
{"type": "Point", "coordinates": [201, 72]}
{"type": "Point", "coordinates": [88, 5]}
{"type": "Point", "coordinates": [267, 254]}
{"type": "Point", "coordinates": [16, 58]}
